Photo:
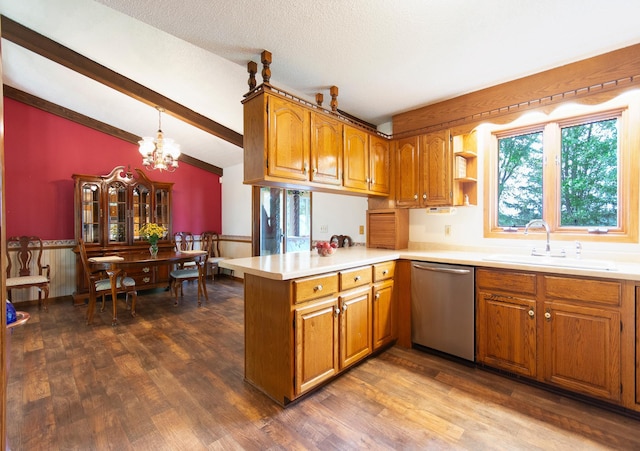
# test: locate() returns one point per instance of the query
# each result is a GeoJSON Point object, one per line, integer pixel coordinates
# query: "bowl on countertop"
{"type": "Point", "coordinates": [325, 252]}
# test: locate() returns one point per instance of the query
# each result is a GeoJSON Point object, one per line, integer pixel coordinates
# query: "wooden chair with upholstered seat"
{"type": "Point", "coordinates": [211, 244]}
{"type": "Point", "coordinates": [25, 268]}
{"type": "Point", "coordinates": [193, 273]}
{"type": "Point", "coordinates": [183, 241]}
{"type": "Point", "coordinates": [100, 285]}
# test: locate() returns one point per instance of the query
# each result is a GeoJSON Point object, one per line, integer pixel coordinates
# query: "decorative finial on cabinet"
{"type": "Point", "coordinates": [334, 98]}
{"type": "Point", "coordinates": [252, 68]}
{"type": "Point", "coordinates": [266, 61]}
{"type": "Point", "coordinates": [319, 98]}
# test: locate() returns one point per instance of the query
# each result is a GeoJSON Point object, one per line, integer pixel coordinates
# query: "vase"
{"type": "Point", "coordinates": [153, 249]}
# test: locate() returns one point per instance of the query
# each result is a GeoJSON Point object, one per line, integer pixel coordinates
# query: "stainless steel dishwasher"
{"type": "Point", "coordinates": [442, 308]}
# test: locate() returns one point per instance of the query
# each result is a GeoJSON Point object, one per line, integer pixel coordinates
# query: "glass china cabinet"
{"type": "Point", "coordinates": [111, 209]}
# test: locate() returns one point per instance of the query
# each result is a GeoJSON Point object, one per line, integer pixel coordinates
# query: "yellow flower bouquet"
{"type": "Point", "coordinates": [152, 233]}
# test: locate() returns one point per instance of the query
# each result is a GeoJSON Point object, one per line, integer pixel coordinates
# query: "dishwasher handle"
{"type": "Point", "coordinates": [445, 270]}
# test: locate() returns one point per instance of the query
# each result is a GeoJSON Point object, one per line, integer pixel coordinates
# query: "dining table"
{"type": "Point", "coordinates": [113, 265]}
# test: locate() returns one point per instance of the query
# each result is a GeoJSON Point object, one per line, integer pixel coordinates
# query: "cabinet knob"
{"type": "Point", "coordinates": [146, 279]}
{"type": "Point", "coordinates": [424, 196]}
{"type": "Point", "coordinates": [531, 313]}
{"type": "Point", "coordinates": [344, 308]}
{"type": "Point", "coordinates": [146, 269]}
{"type": "Point", "coordinates": [317, 288]}
{"type": "Point", "coordinates": [385, 272]}
{"type": "Point", "coordinates": [336, 312]}
{"type": "Point", "coordinates": [315, 170]}
{"type": "Point", "coordinates": [305, 169]}
{"type": "Point", "coordinates": [415, 197]}
{"type": "Point", "coordinates": [547, 315]}
{"type": "Point", "coordinates": [356, 278]}
{"type": "Point", "coordinates": [377, 296]}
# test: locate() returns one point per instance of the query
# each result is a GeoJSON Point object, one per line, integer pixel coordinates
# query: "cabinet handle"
{"type": "Point", "coordinates": [317, 288]}
{"type": "Point", "coordinates": [547, 315]}
{"type": "Point", "coordinates": [531, 313]}
{"type": "Point", "coordinates": [344, 308]}
{"type": "Point", "coordinates": [315, 170]}
{"type": "Point", "coordinates": [336, 312]}
{"type": "Point", "coordinates": [357, 278]}
{"type": "Point", "coordinates": [146, 279]}
{"type": "Point", "coordinates": [305, 169]}
{"type": "Point", "coordinates": [377, 296]}
{"type": "Point", "coordinates": [146, 269]}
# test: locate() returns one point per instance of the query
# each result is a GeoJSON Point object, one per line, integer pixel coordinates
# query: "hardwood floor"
{"type": "Point", "coordinates": [172, 379]}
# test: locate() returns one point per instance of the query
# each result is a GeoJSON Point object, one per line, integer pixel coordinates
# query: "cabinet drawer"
{"type": "Point", "coordinates": [383, 271]}
{"type": "Point", "coordinates": [315, 287]}
{"type": "Point", "coordinates": [506, 281]}
{"type": "Point", "coordinates": [356, 277]}
{"type": "Point", "coordinates": [583, 290]}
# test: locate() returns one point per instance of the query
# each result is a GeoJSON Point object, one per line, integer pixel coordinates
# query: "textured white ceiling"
{"type": "Point", "coordinates": [386, 56]}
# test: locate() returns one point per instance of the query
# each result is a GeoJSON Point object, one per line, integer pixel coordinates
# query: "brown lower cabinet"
{"type": "Point", "coordinates": [563, 331]}
{"type": "Point", "coordinates": [301, 333]}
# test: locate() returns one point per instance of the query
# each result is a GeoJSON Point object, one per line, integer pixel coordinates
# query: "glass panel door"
{"type": "Point", "coordinates": [285, 221]}
{"type": "Point", "coordinates": [298, 221]}
{"type": "Point", "coordinates": [141, 209]}
{"type": "Point", "coordinates": [90, 213]}
{"type": "Point", "coordinates": [162, 208]}
{"type": "Point", "coordinates": [117, 208]}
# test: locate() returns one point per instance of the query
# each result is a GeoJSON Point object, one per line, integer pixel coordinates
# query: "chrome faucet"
{"type": "Point", "coordinates": [542, 223]}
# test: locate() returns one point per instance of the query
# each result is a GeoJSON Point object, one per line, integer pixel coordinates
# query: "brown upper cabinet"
{"type": "Point", "coordinates": [423, 171]}
{"type": "Point", "coordinates": [291, 144]}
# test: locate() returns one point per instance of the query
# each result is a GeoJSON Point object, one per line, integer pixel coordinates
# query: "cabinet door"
{"type": "Point", "coordinates": [380, 163]}
{"type": "Point", "coordinates": [316, 346]}
{"type": "Point", "coordinates": [288, 142]}
{"type": "Point", "coordinates": [506, 328]}
{"type": "Point", "coordinates": [435, 168]}
{"type": "Point", "coordinates": [356, 158]}
{"type": "Point", "coordinates": [638, 345]}
{"type": "Point", "coordinates": [355, 326]}
{"type": "Point", "coordinates": [117, 205]}
{"type": "Point", "coordinates": [384, 325]}
{"type": "Point", "coordinates": [582, 349]}
{"type": "Point", "coordinates": [88, 224]}
{"type": "Point", "coordinates": [407, 170]}
{"type": "Point", "coordinates": [142, 204]}
{"type": "Point", "coordinates": [326, 150]}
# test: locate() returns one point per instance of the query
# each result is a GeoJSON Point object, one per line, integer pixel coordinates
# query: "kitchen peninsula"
{"type": "Point", "coordinates": [308, 318]}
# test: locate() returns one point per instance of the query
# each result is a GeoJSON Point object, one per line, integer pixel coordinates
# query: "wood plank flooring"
{"type": "Point", "coordinates": [172, 379]}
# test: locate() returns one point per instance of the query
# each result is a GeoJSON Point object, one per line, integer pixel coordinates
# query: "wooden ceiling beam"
{"type": "Point", "coordinates": [43, 46]}
{"type": "Point", "coordinates": [74, 116]}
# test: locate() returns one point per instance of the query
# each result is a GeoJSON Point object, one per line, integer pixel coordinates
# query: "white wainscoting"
{"type": "Point", "coordinates": [61, 259]}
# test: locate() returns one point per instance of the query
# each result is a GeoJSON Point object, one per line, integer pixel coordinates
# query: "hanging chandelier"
{"type": "Point", "coordinates": [159, 153]}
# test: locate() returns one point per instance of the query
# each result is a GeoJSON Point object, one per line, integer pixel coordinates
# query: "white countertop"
{"type": "Point", "coordinates": [303, 264]}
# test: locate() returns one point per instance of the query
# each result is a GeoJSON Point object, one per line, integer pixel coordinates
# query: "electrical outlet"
{"type": "Point", "coordinates": [324, 228]}
{"type": "Point", "coordinates": [361, 230]}
{"type": "Point", "coordinates": [447, 230]}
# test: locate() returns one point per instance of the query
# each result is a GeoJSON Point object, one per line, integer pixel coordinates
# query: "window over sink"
{"type": "Point", "coordinates": [571, 168]}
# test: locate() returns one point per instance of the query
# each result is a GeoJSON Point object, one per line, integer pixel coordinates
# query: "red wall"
{"type": "Point", "coordinates": [42, 151]}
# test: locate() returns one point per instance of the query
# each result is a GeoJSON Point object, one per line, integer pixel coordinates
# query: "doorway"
{"type": "Point", "coordinates": [283, 223]}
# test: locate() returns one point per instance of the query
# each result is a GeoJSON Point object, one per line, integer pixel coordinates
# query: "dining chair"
{"type": "Point", "coordinates": [184, 241]}
{"type": "Point", "coordinates": [211, 244]}
{"type": "Point", "coordinates": [100, 285]}
{"type": "Point", "coordinates": [22, 265]}
{"type": "Point", "coordinates": [193, 273]}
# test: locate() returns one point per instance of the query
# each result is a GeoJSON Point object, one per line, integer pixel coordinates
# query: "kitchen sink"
{"type": "Point", "coordinates": [562, 262]}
